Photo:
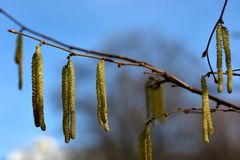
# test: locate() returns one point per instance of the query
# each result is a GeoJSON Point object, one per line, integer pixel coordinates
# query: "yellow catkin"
{"type": "Point", "coordinates": [148, 142]}
{"type": "Point", "coordinates": [141, 147]}
{"type": "Point", "coordinates": [19, 59]}
{"type": "Point", "coordinates": [37, 89]}
{"type": "Point", "coordinates": [101, 94]}
{"type": "Point", "coordinates": [65, 99]}
{"type": "Point", "coordinates": [207, 125]}
{"type": "Point", "coordinates": [71, 79]}
{"type": "Point", "coordinates": [219, 56]}
{"type": "Point", "coordinates": [98, 97]}
{"type": "Point", "coordinates": [226, 46]}
{"type": "Point", "coordinates": [145, 144]}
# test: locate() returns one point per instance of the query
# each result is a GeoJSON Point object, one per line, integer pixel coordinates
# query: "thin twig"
{"type": "Point", "coordinates": [189, 110]}
{"type": "Point", "coordinates": [224, 73]}
{"type": "Point", "coordinates": [71, 47]}
{"type": "Point", "coordinates": [214, 28]}
{"type": "Point", "coordinates": [205, 53]}
{"type": "Point", "coordinates": [165, 75]}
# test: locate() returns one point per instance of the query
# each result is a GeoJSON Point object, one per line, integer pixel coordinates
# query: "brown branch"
{"type": "Point", "coordinates": [190, 110]}
{"type": "Point", "coordinates": [70, 47]}
{"type": "Point", "coordinates": [168, 77]}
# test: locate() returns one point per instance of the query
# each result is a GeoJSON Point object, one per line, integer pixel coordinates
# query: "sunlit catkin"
{"type": "Point", "coordinates": [145, 144]}
{"type": "Point", "coordinates": [37, 89]}
{"type": "Point", "coordinates": [207, 125]}
{"type": "Point", "coordinates": [219, 56]}
{"type": "Point", "coordinates": [65, 101]}
{"type": "Point", "coordinates": [19, 59]}
{"type": "Point", "coordinates": [101, 95]}
{"type": "Point", "coordinates": [98, 97]}
{"type": "Point", "coordinates": [226, 46]}
{"type": "Point", "coordinates": [71, 79]}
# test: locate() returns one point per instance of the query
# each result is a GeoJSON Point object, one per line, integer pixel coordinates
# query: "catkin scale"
{"type": "Point", "coordinates": [226, 46]}
{"type": "Point", "coordinates": [19, 59]}
{"type": "Point", "coordinates": [219, 56]}
{"type": "Point", "coordinates": [207, 125]}
{"type": "Point", "coordinates": [37, 89]}
{"type": "Point", "coordinates": [101, 95]}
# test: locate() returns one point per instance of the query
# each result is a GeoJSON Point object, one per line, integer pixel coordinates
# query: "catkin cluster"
{"type": "Point", "coordinates": [207, 125]}
{"type": "Point", "coordinates": [222, 40]}
{"type": "Point", "coordinates": [155, 100]}
{"type": "Point", "coordinates": [145, 144]}
{"type": "Point", "coordinates": [68, 101]}
{"type": "Point", "coordinates": [19, 59]}
{"type": "Point", "coordinates": [37, 89]}
{"type": "Point", "coordinates": [101, 95]}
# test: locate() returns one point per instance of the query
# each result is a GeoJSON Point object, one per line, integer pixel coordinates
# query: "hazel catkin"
{"type": "Point", "coordinates": [226, 46]}
{"type": "Point", "coordinates": [37, 89]}
{"type": "Point", "coordinates": [101, 95]}
{"type": "Point", "coordinates": [19, 60]}
{"type": "Point", "coordinates": [219, 56]}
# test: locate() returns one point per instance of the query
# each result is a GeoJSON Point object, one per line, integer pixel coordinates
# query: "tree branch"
{"type": "Point", "coordinates": [70, 47]}
{"type": "Point", "coordinates": [168, 77]}
{"type": "Point", "coordinates": [190, 110]}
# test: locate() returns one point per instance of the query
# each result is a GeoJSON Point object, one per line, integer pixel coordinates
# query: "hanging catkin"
{"type": "Point", "coordinates": [71, 79]}
{"type": "Point", "coordinates": [101, 95]}
{"type": "Point", "coordinates": [65, 99]}
{"type": "Point", "coordinates": [149, 96]}
{"type": "Point", "coordinates": [145, 144]}
{"type": "Point", "coordinates": [226, 46]}
{"type": "Point", "coordinates": [98, 98]}
{"type": "Point", "coordinates": [19, 59]}
{"type": "Point", "coordinates": [159, 104]}
{"type": "Point", "coordinates": [155, 104]}
{"type": "Point", "coordinates": [207, 125]}
{"type": "Point", "coordinates": [68, 101]}
{"type": "Point", "coordinates": [219, 56]}
{"type": "Point", "coordinates": [37, 89]}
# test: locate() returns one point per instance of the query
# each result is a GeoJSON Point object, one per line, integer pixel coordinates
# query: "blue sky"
{"type": "Point", "coordinates": [87, 24]}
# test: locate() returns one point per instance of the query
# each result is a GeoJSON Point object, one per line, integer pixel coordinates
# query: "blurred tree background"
{"type": "Point", "coordinates": [164, 33]}
{"type": "Point", "coordinates": [180, 136]}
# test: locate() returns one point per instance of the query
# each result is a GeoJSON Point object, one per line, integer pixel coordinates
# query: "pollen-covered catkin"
{"type": "Point", "coordinates": [226, 46]}
{"type": "Point", "coordinates": [65, 99]}
{"type": "Point", "coordinates": [219, 56]}
{"type": "Point", "coordinates": [19, 59]}
{"type": "Point", "coordinates": [71, 79]}
{"type": "Point", "coordinates": [101, 95]}
{"type": "Point", "coordinates": [98, 97]}
{"type": "Point", "coordinates": [37, 89]}
{"type": "Point", "coordinates": [145, 144]}
{"type": "Point", "coordinates": [207, 126]}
